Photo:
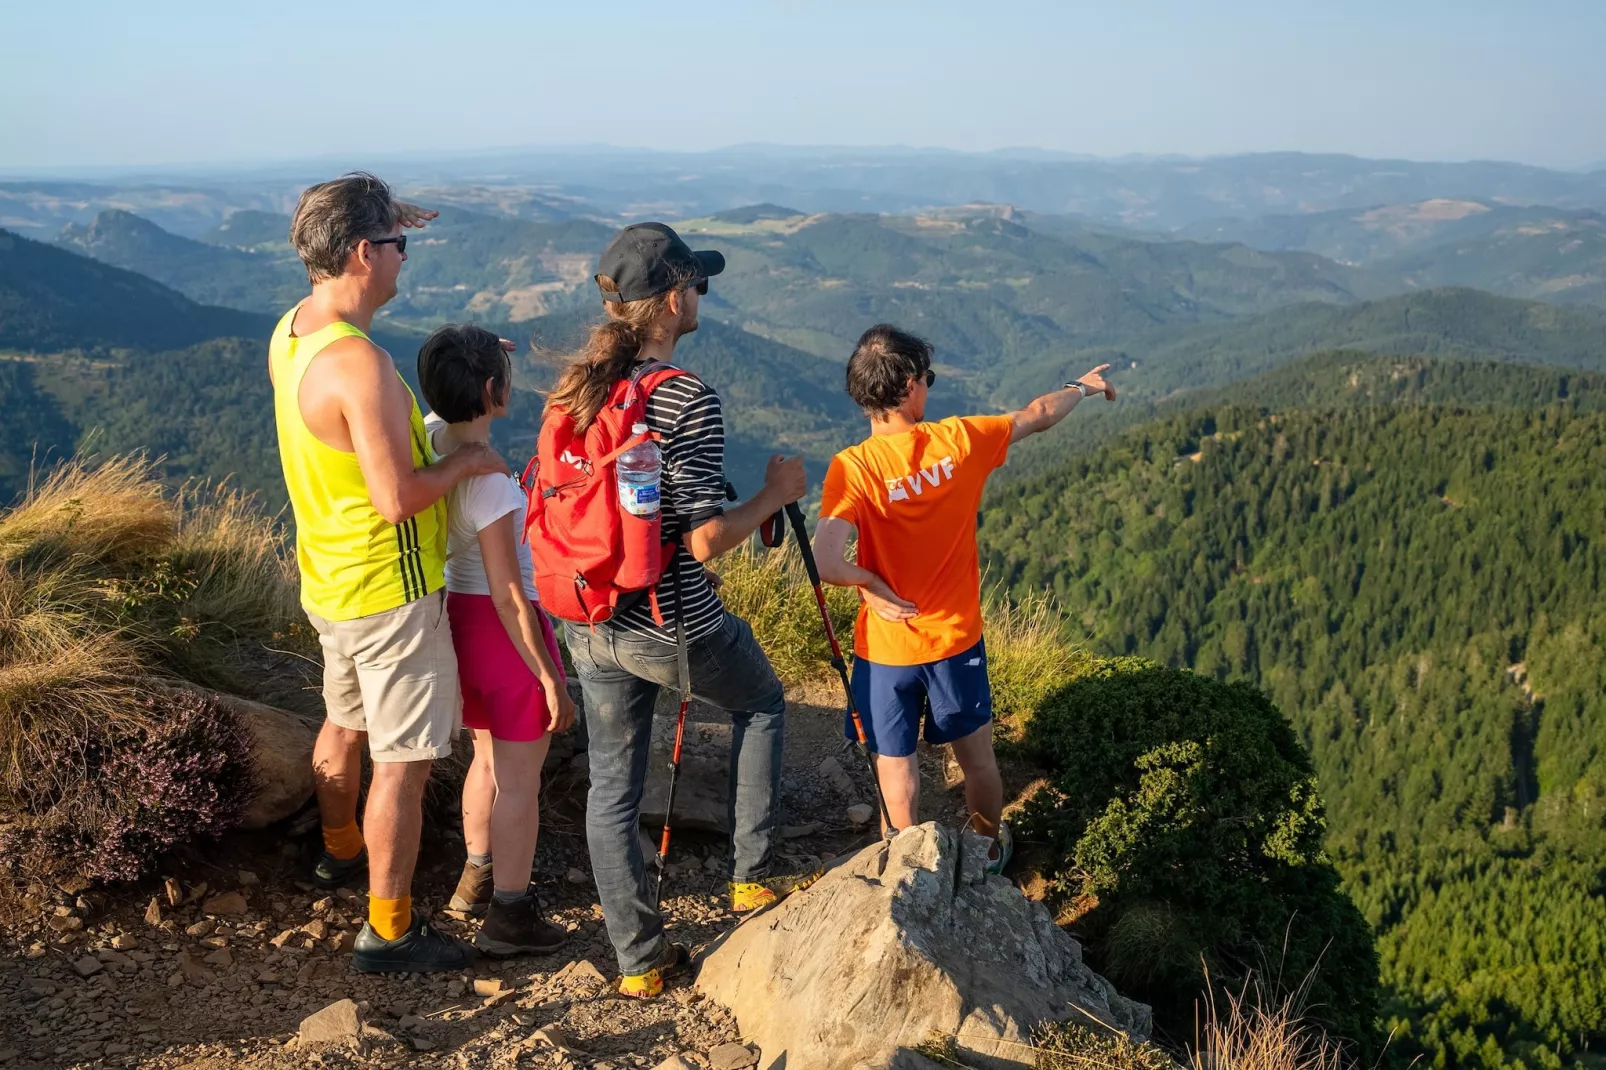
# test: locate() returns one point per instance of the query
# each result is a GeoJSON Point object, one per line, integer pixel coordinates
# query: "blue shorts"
{"type": "Point", "coordinates": [952, 697]}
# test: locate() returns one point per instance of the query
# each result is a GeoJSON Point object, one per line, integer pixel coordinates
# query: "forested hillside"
{"type": "Point", "coordinates": [1460, 323]}
{"type": "Point", "coordinates": [1341, 378]}
{"type": "Point", "coordinates": [52, 299]}
{"type": "Point", "coordinates": [1420, 587]}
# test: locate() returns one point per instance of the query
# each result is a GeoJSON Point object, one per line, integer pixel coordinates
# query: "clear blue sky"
{"type": "Point", "coordinates": [92, 83]}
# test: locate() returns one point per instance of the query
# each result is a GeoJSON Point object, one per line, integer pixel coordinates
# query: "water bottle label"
{"type": "Point", "coordinates": [639, 499]}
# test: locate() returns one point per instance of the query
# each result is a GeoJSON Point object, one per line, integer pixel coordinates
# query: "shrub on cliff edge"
{"type": "Point", "coordinates": [1186, 830]}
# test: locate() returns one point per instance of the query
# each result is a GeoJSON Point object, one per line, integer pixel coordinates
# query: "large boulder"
{"type": "Point", "coordinates": [281, 758]}
{"type": "Point", "coordinates": [702, 789]}
{"type": "Point", "coordinates": [907, 939]}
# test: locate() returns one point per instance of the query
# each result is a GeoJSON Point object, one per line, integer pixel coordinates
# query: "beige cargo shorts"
{"type": "Point", "coordinates": [394, 676]}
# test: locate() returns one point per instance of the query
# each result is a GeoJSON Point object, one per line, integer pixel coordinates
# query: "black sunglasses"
{"type": "Point", "coordinates": [399, 241]}
{"type": "Point", "coordinates": [931, 377]}
{"type": "Point", "coordinates": [701, 286]}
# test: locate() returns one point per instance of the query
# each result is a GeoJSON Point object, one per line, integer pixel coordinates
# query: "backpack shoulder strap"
{"type": "Point", "coordinates": [650, 377]}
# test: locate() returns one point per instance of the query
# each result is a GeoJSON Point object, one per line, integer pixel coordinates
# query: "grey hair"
{"type": "Point", "coordinates": [332, 217]}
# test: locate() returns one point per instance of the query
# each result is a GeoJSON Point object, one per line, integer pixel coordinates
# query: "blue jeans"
{"type": "Point", "coordinates": [620, 675]}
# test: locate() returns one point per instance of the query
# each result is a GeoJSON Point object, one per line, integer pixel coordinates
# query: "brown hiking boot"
{"type": "Point", "coordinates": [518, 928]}
{"type": "Point", "coordinates": [474, 889]}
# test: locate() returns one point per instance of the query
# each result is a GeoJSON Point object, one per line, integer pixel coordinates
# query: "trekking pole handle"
{"type": "Point", "coordinates": [772, 532]}
{"type": "Point", "coordinates": [794, 513]}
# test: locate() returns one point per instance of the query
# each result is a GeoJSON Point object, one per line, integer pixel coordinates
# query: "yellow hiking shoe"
{"type": "Point", "coordinates": [650, 985]}
{"type": "Point", "coordinates": [748, 896]}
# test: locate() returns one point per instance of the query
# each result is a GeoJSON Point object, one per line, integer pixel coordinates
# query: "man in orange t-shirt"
{"type": "Point", "coordinates": [911, 490]}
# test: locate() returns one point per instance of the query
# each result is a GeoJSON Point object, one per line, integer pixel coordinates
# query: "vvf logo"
{"type": "Point", "coordinates": [898, 490]}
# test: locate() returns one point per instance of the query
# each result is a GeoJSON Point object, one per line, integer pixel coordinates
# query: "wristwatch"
{"type": "Point", "coordinates": [1080, 386]}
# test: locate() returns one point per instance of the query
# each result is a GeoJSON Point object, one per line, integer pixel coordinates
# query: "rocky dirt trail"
{"type": "Point", "coordinates": [219, 964]}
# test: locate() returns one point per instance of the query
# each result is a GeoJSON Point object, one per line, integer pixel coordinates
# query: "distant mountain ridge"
{"type": "Point", "coordinates": [206, 273]}
{"type": "Point", "coordinates": [987, 289]}
{"type": "Point", "coordinates": [248, 229]}
{"type": "Point", "coordinates": [463, 265]}
{"type": "Point", "coordinates": [1156, 192]}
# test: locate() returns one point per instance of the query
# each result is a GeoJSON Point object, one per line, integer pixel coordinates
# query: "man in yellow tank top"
{"type": "Point", "coordinates": [370, 520]}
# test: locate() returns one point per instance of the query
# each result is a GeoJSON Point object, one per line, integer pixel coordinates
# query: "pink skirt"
{"type": "Point", "coordinates": [500, 693]}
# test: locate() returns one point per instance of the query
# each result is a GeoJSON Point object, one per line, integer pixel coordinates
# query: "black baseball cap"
{"type": "Point", "coordinates": [648, 259]}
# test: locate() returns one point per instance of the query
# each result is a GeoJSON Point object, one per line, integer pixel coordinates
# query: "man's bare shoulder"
{"type": "Point", "coordinates": [354, 358]}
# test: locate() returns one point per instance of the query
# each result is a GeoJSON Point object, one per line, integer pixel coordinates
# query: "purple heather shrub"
{"type": "Point", "coordinates": [186, 778]}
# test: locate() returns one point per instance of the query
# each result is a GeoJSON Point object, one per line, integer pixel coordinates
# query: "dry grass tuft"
{"type": "Point", "coordinates": [1027, 656]}
{"type": "Point", "coordinates": [1245, 1030]}
{"type": "Point", "coordinates": [112, 589]}
{"type": "Point", "coordinates": [112, 513]}
{"type": "Point", "coordinates": [1255, 1032]}
{"type": "Point", "coordinates": [770, 590]}
{"type": "Point", "coordinates": [1064, 1046]}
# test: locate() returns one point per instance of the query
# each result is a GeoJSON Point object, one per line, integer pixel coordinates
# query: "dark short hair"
{"type": "Point", "coordinates": [453, 364]}
{"type": "Point", "coordinates": [881, 366]}
{"type": "Point", "coordinates": [333, 217]}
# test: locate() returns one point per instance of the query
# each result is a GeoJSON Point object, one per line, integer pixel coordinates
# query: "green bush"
{"type": "Point", "coordinates": [1183, 818]}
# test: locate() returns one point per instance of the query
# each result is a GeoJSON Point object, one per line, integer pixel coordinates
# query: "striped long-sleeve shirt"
{"type": "Point", "coordinates": [687, 414]}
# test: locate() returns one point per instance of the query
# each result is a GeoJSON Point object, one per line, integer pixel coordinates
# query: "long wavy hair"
{"type": "Point", "coordinates": [610, 348]}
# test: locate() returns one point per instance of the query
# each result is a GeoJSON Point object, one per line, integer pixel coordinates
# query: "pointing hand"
{"type": "Point", "coordinates": [1094, 381]}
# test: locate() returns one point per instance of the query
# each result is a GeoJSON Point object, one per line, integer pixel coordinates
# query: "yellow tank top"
{"type": "Point", "coordinates": [353, 561]}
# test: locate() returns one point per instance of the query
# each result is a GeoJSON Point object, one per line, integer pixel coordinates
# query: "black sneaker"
{"type": "Point", "coordinates": [518, 928]}
{"type": "Point", "coordinates": [421, 949]}
{"type": "Point", "coordinates": [331, 872]}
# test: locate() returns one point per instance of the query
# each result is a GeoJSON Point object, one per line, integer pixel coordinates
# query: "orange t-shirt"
{"type": "Point", "coordinates": [913, 496]}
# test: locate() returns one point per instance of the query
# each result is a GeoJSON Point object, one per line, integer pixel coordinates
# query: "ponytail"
{"type": "Point", "coordinates": [610, 348]}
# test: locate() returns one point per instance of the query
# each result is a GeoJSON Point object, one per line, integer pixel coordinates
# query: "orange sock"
{"type": "Point", "coordinates": [390, 917]}
{"type": "Point", "coordinates": [344, 843]}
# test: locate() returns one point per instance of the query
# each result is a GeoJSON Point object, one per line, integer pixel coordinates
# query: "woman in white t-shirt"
{"type": "Point", "coordinates": [514, 692]}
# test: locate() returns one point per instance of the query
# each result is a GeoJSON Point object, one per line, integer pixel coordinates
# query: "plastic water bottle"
{"type": "Point", "coordinates": [639, 469]}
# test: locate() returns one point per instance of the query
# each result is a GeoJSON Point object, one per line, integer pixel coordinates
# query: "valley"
{"type": "Point", "coordinates": [1356, 462]}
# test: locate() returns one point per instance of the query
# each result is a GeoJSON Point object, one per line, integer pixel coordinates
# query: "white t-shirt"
{"type": "Point", "coordinates": [475, 504]}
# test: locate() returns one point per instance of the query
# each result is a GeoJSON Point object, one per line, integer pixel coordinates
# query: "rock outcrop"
{"type": "Point", "coordinates": [907, 939]}
{"type": "Point", "coordinates": [281, 757]}
{"type": "Point", "coordinates": [702, 790]}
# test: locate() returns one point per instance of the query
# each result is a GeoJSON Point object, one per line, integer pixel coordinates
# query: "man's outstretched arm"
{"type": "Point", "coordinates": [375, 407]}
{"type": "Point", "coordinates": [1048, 410]}
{"type": "Point", "coordinates": [830, 554]}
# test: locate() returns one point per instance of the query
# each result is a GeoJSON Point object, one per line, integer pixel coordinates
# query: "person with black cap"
{"type": "Point", "coordinates": [651, 282]}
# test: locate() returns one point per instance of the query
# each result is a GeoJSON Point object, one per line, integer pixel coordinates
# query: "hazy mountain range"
{"type": "Point", "coordinates": [1155, 193]}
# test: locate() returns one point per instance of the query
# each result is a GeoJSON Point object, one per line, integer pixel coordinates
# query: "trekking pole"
{"type": "Point", "coordinates": [795, 515]}
{"type": "Point", "coordinates": [684, 666]}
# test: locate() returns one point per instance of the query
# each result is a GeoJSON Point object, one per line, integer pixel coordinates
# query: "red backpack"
{"type": "Point", "coordinates": [588, 552]}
